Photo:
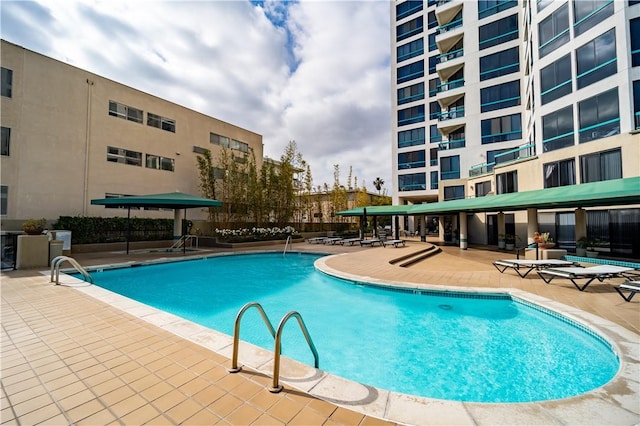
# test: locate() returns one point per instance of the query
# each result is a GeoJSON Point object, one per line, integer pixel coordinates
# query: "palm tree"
{"type": "Point", "coordinates": [378, 184]}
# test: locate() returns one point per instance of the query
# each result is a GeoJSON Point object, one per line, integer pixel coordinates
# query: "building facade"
{"type": "Point", "coordinates": [491, 97]}
{"type": "Point", "coordinates": [70, 136]}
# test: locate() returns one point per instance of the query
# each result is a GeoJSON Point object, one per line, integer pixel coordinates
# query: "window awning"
{"type": "Point", "coordinates": [606, 193]}
{"type": "Point", "coordinates": [171, 200]}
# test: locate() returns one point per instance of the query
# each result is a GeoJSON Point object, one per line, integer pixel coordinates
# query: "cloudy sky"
{"type": "Point", "coordinates": [316, 72]}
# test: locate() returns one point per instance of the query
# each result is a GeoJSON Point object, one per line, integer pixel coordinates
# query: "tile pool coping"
{"type": "Point", "coordinates": [614, 403]}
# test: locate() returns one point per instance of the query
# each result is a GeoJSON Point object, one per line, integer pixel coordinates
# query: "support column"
{"type": "Point", "coordinates": [441, 229]}
{"type": "Point", "coordinates": [581, 223]}
{"type": "Point", "coordinates": [532, 224]}
{"type": "Point", "coordinates": [178, 215]}
{"type": "Point", "coordinates": [462, 226]}
{"type": "Point", "coordinates": [423, 228]}
{"type": "Point", "coordinates": [502, 230]}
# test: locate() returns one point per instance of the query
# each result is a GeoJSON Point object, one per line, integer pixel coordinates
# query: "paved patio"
{"type": "Point", "coordinates": [70, 358]}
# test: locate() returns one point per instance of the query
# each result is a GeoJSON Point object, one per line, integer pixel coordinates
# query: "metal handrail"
{"type": "Point", "coordinates": [276, 387]}
{"type": "Point", "coordinates": [286, 245]}
{"type": "Point", "coordinates": [183, 241]}
{"type": "Point", "coordinates": [236, 332]}
{"type": "Point", "coordinates": [58, 260]}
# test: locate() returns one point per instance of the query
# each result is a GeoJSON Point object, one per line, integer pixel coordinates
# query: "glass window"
{"type": "Point", "coordinates": [636, 102]}
{"type": "Point", "coordinates": [498, 32]}
{"type": "Point", "coordinates": [408, 8]}
{"type": "Point", "coordinates": [491, 7]}
{"type": "Point", "coordinates": [125, 112]}
{"type": "Point", "coordinates": [554, 30]}
{"type": "Point", "coordinates": [453, 192]}
{"type": "Point", "coordinates": [433, 62]}
{"type": "Point", "coordinates": [450, 167]}
{"type": "Point", "coordinates": [411, 115]}
{"type": "Point", "coordinates": [501, 129]}
{"type": "Point", "coordinates": [433, 86]}
{"type": "Point", "coordinates": [599, 166]}
{"type": "Point", "coordinates": [434, 110]}
{"type": "Point", "coordinates": [7, 82]}
{"type": "Point", "coordinates": [599, 116]}
{"type": "Point", "coordinates": [410, 50]}
{"type": "Point", "coordinates": [432, 42]}
{"type": "Point", "coordinates": [6, 141]}
{"type": "Point", "coordinates": [410, 72]}
{"type": "Point", "coordinates": [491, 155]}
{"type": "Point", "coordinates": [589, 13]}
{"type": "Point", "coordinates": [411, 137]}
{"type": "Point", "coordinates": [124, 156]}
{"type": "Point", "coordinates": [412, 182]}
{"type": "Point", "coordinates": [500, 63]}
{"type": "Point", "coordinates": [500, 96]}
{"type": "Point", "coordinates": [432, 21]}
{"type": "Point", "coordinates": [544, 3]}
{"type": "Point", "coordinates": [411, 160]}
{"type": "Point", "coordinates": [160, 163]}
{"type": "Point", "coordinates": [411, 93]}
{"type": "Point", "coordinates": [634, 32]}
{"type": "Point", "coordinates": [597, 59]}
{"type": "Point", "coordinates": [434, 134]}
{"type": "Point", "coordinates": [559, 173]}
{"type": "Point", "coordinates": [433, 157]}
{"type": "Point", "coordinates": [557, 129]}
{"type": "Point", "coordinates": [4, 198]}
{"type": "Point", "coordinates": [555, 79]}
{"type": "Point", "coordinates": [483, 188]}
{"type": "Point", "coordinates": [507, 183]}
{"type": "Point", "coordinates": [409, 29]}
{"type": "Point", "coordinates": [163, 123]}
{"type": "Point", "coordinates": [434, 180]}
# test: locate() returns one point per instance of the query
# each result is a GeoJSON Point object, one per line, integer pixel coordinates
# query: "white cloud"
{"type": "Point", "coordinates": [315, 71]}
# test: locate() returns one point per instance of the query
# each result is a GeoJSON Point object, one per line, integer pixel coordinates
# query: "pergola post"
{"type": "Point", "coordinates": [178, 215]}
{"type": "Point", "coordinates": [581, 223]}
{"type": "Point", "coordinates": [423, 228]}
{"type": "Point", "coordinates": [502, 230]}
{"type": "Point", "coordinates": [441, 229]}
{"type": "Point", "coordinates": [532, 224]}
{"type": "Point", "coordinates": [462, 226]}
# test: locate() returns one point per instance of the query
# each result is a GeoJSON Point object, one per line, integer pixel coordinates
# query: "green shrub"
{"type": "Point", "coordinates": [90, 230]}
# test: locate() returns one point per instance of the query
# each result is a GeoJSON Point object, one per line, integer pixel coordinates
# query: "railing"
{"type": "Point", "coordinates": [444, 57]}
{"type": "Point", "coordinates": [451, 144]}
{"type": "Point", "coordinates": [59, 260]}
{"type": "Point", "coordinates": [182, 241]}
{"type": "Point", "coordinates": [277, 335]}
{"type": "Point", "coordinates": [286, 245]}
{"type": "Point", "coordinates": [453, 174]}
{"type": "Point", "coordinates": [450, 85]}
{"type": "Point", "coordinates": [481, 169]}
{"type": "Point", "coordinates": [411, 165]}
{"type": "Point", "coordinates": [519, 153]}
{"type": "Point", "coordinates": [451, 114]}
{"type": "Point", "coordinates": [450, 26]}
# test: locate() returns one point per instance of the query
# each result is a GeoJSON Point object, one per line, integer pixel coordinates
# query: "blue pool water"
{"type": "Point", "coordinates": [490, 349]}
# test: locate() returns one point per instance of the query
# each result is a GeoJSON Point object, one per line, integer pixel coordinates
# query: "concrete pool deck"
{"type": "Point", "coordinates": [78, 354]}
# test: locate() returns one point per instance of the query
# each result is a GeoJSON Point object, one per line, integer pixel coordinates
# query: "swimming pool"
{"type": "Point", "coordinates": [485, 349]}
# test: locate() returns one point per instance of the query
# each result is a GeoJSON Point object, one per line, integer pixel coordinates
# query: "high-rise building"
{"type": "Point", "coordinates": [497, 96]}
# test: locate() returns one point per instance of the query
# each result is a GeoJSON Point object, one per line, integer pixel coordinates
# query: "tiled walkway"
{"type": "Point", "coordinates": [68, 358]}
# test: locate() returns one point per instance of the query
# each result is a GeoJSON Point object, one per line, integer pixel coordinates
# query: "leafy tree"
{"type": "Point", "coordinates": [207, 180]}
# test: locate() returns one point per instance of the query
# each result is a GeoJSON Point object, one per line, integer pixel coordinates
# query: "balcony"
{"type": "Point", "coordinates": [451, 144]}
{"type": "Point", "coordinates": [520, 153]}
{"type": "Point", "coordinates": [481, 169]}
{"type": "Point", "coordinates": [451, 114]}
{"type": "Point", "coordinates": [449, 56]}
{"type": "Point", "coordinates": [450, 85]}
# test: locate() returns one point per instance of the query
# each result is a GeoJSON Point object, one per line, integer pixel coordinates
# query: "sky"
{"type": "Point", "coordinates": [316, 72]}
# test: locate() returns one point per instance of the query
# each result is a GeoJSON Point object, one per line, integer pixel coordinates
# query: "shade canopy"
{"type": "Point", "coordinates": [171, 200]}
{"type": "Point", "coordinates": [606, 193]}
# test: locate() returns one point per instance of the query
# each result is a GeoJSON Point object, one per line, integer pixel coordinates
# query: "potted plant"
{"type": "Point", "coordinates": [34, 226]}
{"type": "Point", "coordinates": [501, 241]}
{"type": "Point", "coordinates": [591, 247]}
{"type": "Point", "coordinates": [510, 241]}
{"type": "Point", "coordinates": [581, 246]}
{"type": "Point", "coordinates": [544, 240]}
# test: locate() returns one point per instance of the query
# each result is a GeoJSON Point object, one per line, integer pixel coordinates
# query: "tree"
{"type": "Point", "coordinates": [207, 179]}
{"type": "Point", "coordinates": [378, 183]}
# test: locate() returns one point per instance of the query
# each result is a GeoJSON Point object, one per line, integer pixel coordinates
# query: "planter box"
{"type": "Point", "coordinates": [256, 243]}
{"type": "Point", "coordinates": [33, 251]}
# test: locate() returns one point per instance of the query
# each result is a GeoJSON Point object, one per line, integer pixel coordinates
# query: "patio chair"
{"type": "Point", "coordinates": [332, 240]}
{"type": "Point", "coordinates": [371, 242]}
{"type": "Point", "coordinates": [350, 241]}
{"type": "Point", "coordinates": [395, 243]}
{"type": "Point", "coordinates": [590, 274]}
{"type": "Point", "coordinates": [632, 287]}
{"type": "Point", "coordinates": [529, 265]}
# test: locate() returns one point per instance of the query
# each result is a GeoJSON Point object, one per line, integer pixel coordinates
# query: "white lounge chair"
{"type": "Point", "coordinates": [632, 287]}
{"type": "Point", "coordinates": [350, 241]}
{"type": "Point", "coordinates": [316, 240]}
{"type": "Point", "coordinates": [395, 243]}
{"type": "Point", "coordinates": [529, 265]}
{"type": "Point", "coordinates": [600, 273]}
{"type": "Point", "coordinates": [371, 242]}
{"type": "Point", "coordinates": [332, 240]}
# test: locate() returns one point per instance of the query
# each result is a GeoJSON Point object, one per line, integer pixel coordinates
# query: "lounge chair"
{"type": "Point", "coordinates": [395, 243]}
{"type": "Point", "coordinates": [332, 240]}
{"type": "Point", "coordinates": [600, 273]}
{"type": "Point", "coordinates": [350, 241]}
{"type": "Point", "coordinates": [371, 242]}
{"type": "Point", "coordinates": [316, 240]}
{"type": "Point", "coordinates": [529, 265]}
{"type": "Point", "coordinates": [632, 287]}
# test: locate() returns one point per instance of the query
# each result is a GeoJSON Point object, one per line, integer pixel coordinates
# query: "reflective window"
{"type": "Point", "coordinates": [601, 166]}
{"type": "Point", "coordinates": [410, 72]}
{"type": "Point", "coordinates": [557, 129]}
{"type": "Point", "coordinates": [501, 129]}
{"type": "Point", "coordinates": [6, 141]}
{"type": "Point", "coordinates": [544, 3]}
{"type": "Point", "coordinates": [124, 156]}
{"type": "Point", "coordinates": [434, 110]}
{"type": "Point", "coordinates": [498, 32]}
{"type": "Point", "coordinates": [409, 29]}
{"type": "Point", "coordinates": [163, 123]}
{"type": "Point", "coordinates": [432, 42]}
{"type": "Point", "coordinates": [636, 102]}
{"type": "Point", "coordinates": [6, 86]}
{"type": "Point", "coordinates": [410, 50]}
{"type": "Point", "coordinates": [4, 198]}
{"type": "Point", "coordinates": [412, 182]}
{"type": "Point", "coordinates": [411, 115]}
{"type": "Point", "coordinates": [596, 59]}
{"type": "Point", "coordinates": [634, 32]}
{"type": "Point", "coordinates": [407, 8]}
{"type": "Point", "coordinates": [500, 63]}
{"type": "Point", "coordinates": [411, 93]}
{"type": "Point", "coordinates": [589, 13]}
{"type": "Point", "coordinates": [434, 134]}
{"type": "Point", "coordinates": [411, 137]}
{"type": "Point", "coordinates": [433, 86]}
{"type": "Point", "coordinates": [450, 167]}
{"type": "Point", "coordinates": [559, 173]}
{"type": "Point", "coordinates": [507, 183]}
{"type": "Point", "coordinates": [599, 116]}
{"type": "Point", "coordinates": [434, 179]}
{"type": "Point", "coordinates": [117, 109]}
{"type": "Point", "coordinates": [432, 22]}
{"type": "Point", "coordinates": [411, 160]}
{"type": "Point", "coordinates": [433, 61]}
{"type": "Point", "coordinates": [555, 79]}
{"type": "Point", "coordinates": [453, 192]}
{"type": "Point", "coordinates": [491, 7]}
{"type": "Point", "coordinates": [483, 188]}
{"type": "Point", "coordinates": [160, 163]}
{"type": "Point", "coordinates": [500, 96]}
{"type": "Point", "coordinates": [554, 30]}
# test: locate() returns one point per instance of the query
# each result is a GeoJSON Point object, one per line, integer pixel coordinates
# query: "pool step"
{"type": "Point", "coordinates": [416, 256]}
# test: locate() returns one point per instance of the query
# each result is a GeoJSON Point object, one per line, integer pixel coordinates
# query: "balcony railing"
{"type": "Point", "coordinates": [452, 174]}
{"type": "Point", "coordinates": [444, 57]}
{"type": "Point", "coordinates": [433, 162]}
{"type": "Point", "coordinates": [450, 26]}
{"type": "Point", "coordinates": [451, 144]}
{"type": "Point", "coordinates": [411, 165]}
{"type": "Point", "coordinates": [520, 153]}
{"type": "Point", "coordinates": [450, 85]}
{"type": "Point", "coordinates": [481, 169]}
{"type": "Point", "coordinates": [451, 114]}
{"type": "Point", "coordinates": [413, 187]}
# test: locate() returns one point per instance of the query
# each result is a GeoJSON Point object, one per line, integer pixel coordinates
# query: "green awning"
{"type": "Point", "coordinates": [171, 200]}
{"type": "Point", "coordinates": [377, 211]}
{"type": "Point", "coordinates": [606, 193]}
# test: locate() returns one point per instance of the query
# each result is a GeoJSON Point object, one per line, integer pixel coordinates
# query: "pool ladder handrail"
{"type": "Point", "coordinates": [286, 244]}
{"type": "Point", "coordinates": [59, 260]}
{"type": "Point", "coordinates": [182, 241]}
{"type": "Point", "coordinates": [277, 335]}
